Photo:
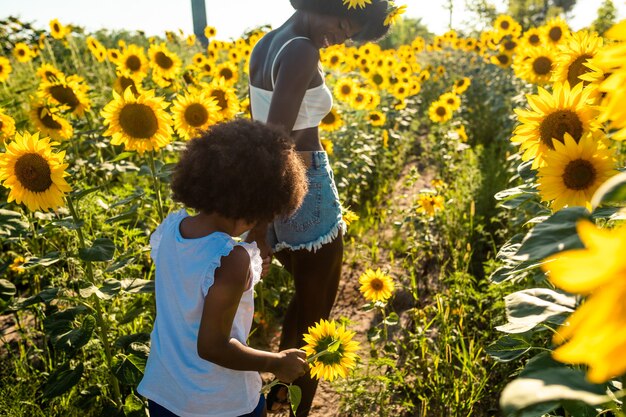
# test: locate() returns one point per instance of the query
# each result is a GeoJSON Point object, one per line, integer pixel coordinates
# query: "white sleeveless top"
{"type": "Point", "coordinates": [316, 104]}
{"type": "Point", "coordinates": [175, 376]}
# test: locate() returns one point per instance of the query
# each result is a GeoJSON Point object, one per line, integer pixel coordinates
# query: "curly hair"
{"type": "Point", "coordinates": [371, 17]}
{"type": "Point", "coordinates": [241, 170]}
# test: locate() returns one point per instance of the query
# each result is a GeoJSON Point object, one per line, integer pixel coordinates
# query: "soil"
{"type": "Point", "coordinates": [327, 401]}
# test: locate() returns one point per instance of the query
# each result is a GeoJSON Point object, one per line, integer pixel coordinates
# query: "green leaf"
{"type": "Point", "coordinates": [509, 347]}
{"type": "Point", "coordinates": [111, 288]}
{"type": "Point", "coordinates": [123, 155]}
{"type": "Point", "coordinates": [78, 193]}
{"type": "Point", "coordinates": [129, 214]}
{"type": "Point", "coordinates": [527, 308]}
{"type": "Point", "coordinates": [612, 191]}
{"type": "Point", "coordinates": [556, 234]}
{"type": "Point", "coordinates": [549, 385]}
{"type": "Point", "coordinates": [392, 319]}
{"type": "Point", "coordinates": [62, 380]}
{"type": "Point", "coordinates": [133, 406]}
{"type": "Point", "coordinates": [334, 346]}
{"type": "Point", "coordinates": [102, 249]}
{"type": "Point", "coordinates": [135, 286]}
{"type": "Point", "coordinates": [139, 192]}
{"type": "Point", "coordinates": [120, 263]}
{"type": "Point", "coordinates": [12, 223]}
{"type": "Point", "coordinates": [45, 296]}
{"type": "Point", "coordinates": [74, 339]}
{"type": "Point", "coordinates": [48, 259]}
{"type": "Point", "coordinates": [7, 290]}
{"type": "Point", "coordinates": [295, 397]}
{"type": "Point", "coordinates": [129, 369]}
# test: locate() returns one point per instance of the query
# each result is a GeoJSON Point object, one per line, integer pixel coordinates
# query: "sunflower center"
{"type": "Point", "coordinates": [64, 95]}
{"type": "Point", "coordinates": [47, 120]}
{"type": "Point", "coordinates": [33, 172]}
{"type": "Point", "coordinates": [163, 60]}
{"type": "Point", "coordinates": [542, 65]}
{"type": "Point", "coordinates": [378, 79]}
{"type": "Point", "coordinates": [1, 124]}
{"type": "Point", "coordinates": [138, 121]}
{"type": "Point", "coordinates": [577, 68]}
{"type": "Point", "coordinates": [376, 284]}
{"type": "Point", "coordinates": [346, 90]}
{"type": "Point", "coordinates": [21, 52]}
{"type": "Point", "coordinates": [441, 111]}
{"type": "Point", "coordinates": [374, 117]}
{"type": "Point", "coordinates": [534, 39]}
{"type": "Point", "coordinates": [503, 59]}
{"type": "Point", "coordinates": [133, 63]}
{"type": "Point", "coordinates": [329, 119]}
{"type": "Point", "coordinates": [334, 59]}
{"type": "Point", "coordinates": [579, 174]}
{"type": "Point", "coordinates": [510, 45]}
{"type": "Point", "coordinates": [557, 124]}
{"type": "Point", "coordinates": [226, 73]}
{"type": "Point", "coordinates": [555, 33]}
{"type": "Point", "coordinates": [196, 114]}
{"type": "Point", "coordinates": [504, 25]}
{"type": "Point", "coordinates": [56, 27]}
{"type": "Point", "coordinates": [220, 96]}
{"type": "Point", "coordinates": [126, 82]}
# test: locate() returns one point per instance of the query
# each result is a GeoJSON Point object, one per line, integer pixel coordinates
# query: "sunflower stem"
{"type": "Point", "coordinates": [103, 327]}
{"type": "Point", "coordinates": [155, 183]}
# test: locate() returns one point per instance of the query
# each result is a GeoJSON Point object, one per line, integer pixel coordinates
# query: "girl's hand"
{"type": "Point", "coordinates": [267, 261]}
{"type": "Point", "coordinates": [290, 365]}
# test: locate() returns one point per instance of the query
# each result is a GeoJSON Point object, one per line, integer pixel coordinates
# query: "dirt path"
{"type": "Point", "coordinates": [357, 259]}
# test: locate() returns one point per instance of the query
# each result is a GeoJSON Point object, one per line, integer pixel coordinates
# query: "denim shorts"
{"type": "Point", "coordinates": [318, 220]}
{"type": "Point", "coordinates": [157, 410]}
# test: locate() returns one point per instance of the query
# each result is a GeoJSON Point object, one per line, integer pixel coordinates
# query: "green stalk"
{"type": "Point", "coordinates": [155, 183]}
{"type": "Point", "coordinates": [103, 328]}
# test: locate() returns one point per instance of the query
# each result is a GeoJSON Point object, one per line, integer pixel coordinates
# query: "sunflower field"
{"type": "Point", "coordinates": [482, 178]}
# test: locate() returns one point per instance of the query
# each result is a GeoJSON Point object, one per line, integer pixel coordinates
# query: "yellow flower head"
{"type": "Point", "coordinates": [133, 62]}
{"type": "Point", "coordinates": [552, 115]}
{"type": "Point", "coordinates": [34, 174]}
{"type": "Point", "coordinates": [429, 203]}
{"type": "Point", "coordinates": [376, 285]}
{"type": "Point", "coordinates": [348, 216]}
{"type": "Point", "coordinates": [574, 171]}
{"type": "Point", "coordinates": [377, 118]}
{"type": "Point", "coordinates": [439, 112]}
{"type": "Point", "coordinates": [194, 112]}
{"type": "Point", "coordinates": [57, 30]}
{"type": "Point", "coordinates": [356, 3]}
{"type": "Point", "coordinates": [16, 265]}
{"type": "Point", "coordinates": [535, 64]}
{"type": "Point", "coordinates": [594, 333]}
{"type": "Point", "coordinates": [47, 120]}
{"type": "Point", "coordinates": [574, 52]}
{"type": "Point", "coordinates": [5, 69]}
{"type": "Point", "coordinates": [226, 98]}
{"type": "Point", "coordinates": [139, 122]}
{"type": "Point", "coordinates": [22, 52]}
{"type": "Point", "coordinates": [69, 92]}
{"type": "Point", "coordinates": [330, 349]}
{"type": "Point", "coordinates": [393, 13]}
{"type": "Point", "coordinates": [332, 121]}
{"type": "Point", "coordinates": [7, 126]}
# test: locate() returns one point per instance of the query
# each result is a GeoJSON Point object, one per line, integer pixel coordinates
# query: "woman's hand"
{"type": "Point", "coordinates": [290, 365]}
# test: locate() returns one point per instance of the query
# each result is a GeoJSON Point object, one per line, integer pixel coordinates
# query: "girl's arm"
{"type": "Point", "coordinates": [298, 65]}
{"type": "Point", "coordinates": [220, 305]}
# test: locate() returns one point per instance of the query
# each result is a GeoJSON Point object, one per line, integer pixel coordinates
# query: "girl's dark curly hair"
{"type": "Point", "coordinates": [242, 170]}
{"type": "Point", "coordinates": [371, 17]}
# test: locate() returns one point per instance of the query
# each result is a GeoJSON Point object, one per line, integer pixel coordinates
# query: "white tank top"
{"type": "Point", "coordinates": [175, 376]}
{"type": "Point", "coordinates": [316, 104]}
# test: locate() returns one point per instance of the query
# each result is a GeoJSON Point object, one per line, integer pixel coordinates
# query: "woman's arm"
{"type": "Point", "coordinates": [220, 305]}
{"type": "Point", "coordinates": [297, 66]}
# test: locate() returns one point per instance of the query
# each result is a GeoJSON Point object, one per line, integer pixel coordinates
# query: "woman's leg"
{"type": "Point", "coordinates": [316, 276]}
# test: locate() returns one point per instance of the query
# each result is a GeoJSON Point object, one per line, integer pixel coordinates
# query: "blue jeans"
{"type": "Point", "coordinates": [318, 220]}
{"type": "Point", "coordinates": [157, 410]}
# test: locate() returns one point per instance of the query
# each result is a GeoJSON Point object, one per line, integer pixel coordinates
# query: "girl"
{"type": "Point", "coordinates": [236, 175]}
{"type": "Point", "coordinates": [287, 89]}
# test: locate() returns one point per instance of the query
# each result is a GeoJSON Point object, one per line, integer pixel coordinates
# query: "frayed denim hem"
{"type": "Point", "coordinates": [317, 243]}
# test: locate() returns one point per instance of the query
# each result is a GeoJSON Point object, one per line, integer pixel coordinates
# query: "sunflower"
{"type": "Point", "coordinates": [57, 30]}
{"type": "Point", "coordinates": [210, 32]}
{"type": "Point", "coordinates": [140, 123]}
{"type": "Point", "coordinates": [332, 121]}
{"type": "Point", "coordinates": [439, 112]}
{"type": "Point", "coordinates": [552, 116]}
{"type": "Point", "coordinates": [114, 55]}
{"type": "Point", "coordinates": [333, 57]}
{"type": "Point", "coordinates": [194, 112]}
{"type": "Point", "coordinates": [7, 126]}
{"type": "Point", "coordinates": [331, 350]}
{"type": "Point", "coordinates": [122, 82]}
{"type": "Point", "coordinates": [49, 73]}
{"type": "Point", "coordinates": [556, 30]}
{"type": "Point", "coordinates": [535, 65]}
{"type": "Point", "coordinates": [228, 72]}
{"type": "Point", "coordinates": [33, 173]}
{"type": "Point", "coordinates": [22, 52]}
{"type": "Point", "coordinates": [376, 118]}
{"type": "Point", "coordinates": [505, 24]}
{"type": "Point", "coordinates": [533, 37]}
{"type": "Point", "coordinates": [133, 62]}
{"type": "Point", "coordinates": [452, 100]}
{"type": "Point", "coordinates": [345, 89]}
{"type": "Point", "coordinates": [327, 144]}
{"type": "Point", "coordinates": [360, 99]}
{"type": "Point", "coordinates": [5, 69]}
{"type": "Point", "coordinates": [429, 203]}
{"type": "Point", "coordinates": [376, 285]}
{"type": "Point", "coordinates": [17, 265]}
{"type": "Point", "coordinates": [502, 59]}
{"type": "Point", "coordinates": [163, 61]}
{"type": "Point", "coordinates": [461, 133]}
{"type": "Point", "coordinates": [70, 92]}
{"type": "Point", "coordinates": [94, 46]}
{"type": "Point", "coordinates": [393, 14]}
{"type": "Point", "coordinates": [574, 171]}
{"type": "Point", "coordinates": [49, 123]}
{"type": "Point", "coordinates": [226, 98]}
{"type": "Point", "coordinates": [460, 86]}
{"type": "Point", "coordinates": [198, 59]}
{"type": "Point", "coordinates": [594, 333]}
{"type": "Point", "coordinates": [354, 3]}
{"type": "Point", "coordinates": [190, 40]}
{"type": "Point", "coordinates": [574, 52]}
{"type": "Point", "coordinates": [348, 216]}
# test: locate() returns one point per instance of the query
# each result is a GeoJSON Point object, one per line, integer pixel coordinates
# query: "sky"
{"type": "Point", "coordinates": [230, 17]}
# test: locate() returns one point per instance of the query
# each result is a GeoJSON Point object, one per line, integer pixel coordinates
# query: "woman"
{"type": "Point", "coordinates": [287, 89]}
